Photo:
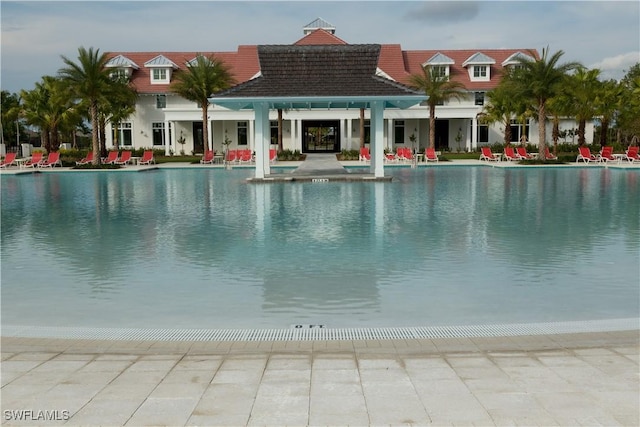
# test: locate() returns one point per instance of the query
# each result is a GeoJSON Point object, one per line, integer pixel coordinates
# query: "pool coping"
{"type": "Point", "coordinates": [319, 333]}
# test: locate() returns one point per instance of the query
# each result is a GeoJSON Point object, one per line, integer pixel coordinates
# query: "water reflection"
{"type": "Point", "coordinates": [203, 248]}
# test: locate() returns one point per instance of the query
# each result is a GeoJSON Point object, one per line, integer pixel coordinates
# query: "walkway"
{"type": "Point", "coordinates": [570, 379]}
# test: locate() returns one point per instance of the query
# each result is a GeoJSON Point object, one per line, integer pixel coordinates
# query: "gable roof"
{"type": "Point", "coordinates": [319, 23]}
{"type": "Point", "coordinates": [440, 59]}
{"type": "Point", "coordinates": [318, 37]}
{"type": "Point", "coordinates": [479, 58]}
{"type": "Point", "coordinates": [161, 61]}
{"type": "Point", "coordinates": [121, 61]}
{"type": "Point", "coordinates": [515, 59]}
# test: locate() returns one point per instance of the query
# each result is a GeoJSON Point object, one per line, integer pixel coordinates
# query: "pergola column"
{"type": "Point", "coordinates": [262, 138]}
{"type": "Point", "coordinates": [377, 139]}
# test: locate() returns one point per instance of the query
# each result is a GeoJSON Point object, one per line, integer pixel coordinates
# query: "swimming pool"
{"type": "Point", "coordinates": [201, 248]}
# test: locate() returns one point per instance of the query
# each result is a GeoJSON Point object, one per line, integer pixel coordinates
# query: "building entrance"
{"type": "Point", "coordinates": [321, 136]}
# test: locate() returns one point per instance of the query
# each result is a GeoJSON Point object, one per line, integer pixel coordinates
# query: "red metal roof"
{"type": "Point", "coordinates": [394, 61]}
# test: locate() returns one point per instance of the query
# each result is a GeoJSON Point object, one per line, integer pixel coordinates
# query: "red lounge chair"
{"type": "Point", "coordinates": [365, 155]}
{"type": "Point", "coordinates": [486, 154]}
{"type": "Point", "coordinates": [606, 154]}
{"type": "Point", "coordinates": [35, 160]}
{"type": "Point", "coordinates": [87, 159]}
{"type": "Point", "coordinates": [9, 160]}
{"type": "Point", "coordinates": [53, 159]}
{"type": "Point", "coordinates": [111, 159]}
{"type": "Point", "coordinates": [124, 158]}
{"type": "Point", "coordinates": [632, 154]}
{"type": "Point", "coordinates": [273, 155]}
{"type": "Point", "coordinates": [244, 156]}
{"type": "Point", "coordinates": [430, 155]}
{"type": "Point", "coordinates": [390, 157]}
{"type": "Point", "coordinates": [408, 155]}
{"type": "Point", "coordinates": [522, 154]}
{"type": "Point", "coordinates": [207, 159]}
{"type": "Point", "coordinates": [147, 158]}
{"type": "Point", "coordinates": [548, 155]}
{"type": "Point", "coordinates": [584, 154]}
{"type": "Point", "coordinates": [510, 155]}
{"type": "Point", "coordinates": [231, 156]}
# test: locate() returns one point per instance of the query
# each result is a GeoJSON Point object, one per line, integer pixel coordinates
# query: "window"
{"type": "Point", "coordinates": [161, 101]}
{"type": "Point", "coordinates": [242, 133]}
{"type": "Point", "coordinates": [158, 133]}
{"type": "Point", "coordinates": [123, 136]}
{"type": "Point", "coordinates": [398, 131]}
{"type": "Point", "coordinates": [517, 131]}
{"type": "Point", "coordinates": [119, 74]}
{"type": "Point", "coordinates": [479, 98]}
{"type": "Point", "coordinates": [274, 131]}
{"type": "Point", "coordinates": [439, 70]}
{"type": "Point", "coordinates": [159, 75]}
{"type": "Point", "coordinates": [367, 131]}
{"type": "Point", "coordinates": [483, 134]}
{"type": "Point", "coordinates": [479, 71]}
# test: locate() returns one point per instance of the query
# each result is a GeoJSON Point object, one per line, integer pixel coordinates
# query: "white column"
{"type": "Point", "coordinates": [377, 138]}
{"type": "Point", "coordinates": [252, 134]}
{"type": "Point", "coordinates": [343, 139]}
{"type": "Point", "coordinates": [262, 136]}
{"type": "Point", "coordinates": [474, 133]}
{"type": "Point", "coordinates": [167, 147]}
{"type": "Point", "coordinates": [350, 134]}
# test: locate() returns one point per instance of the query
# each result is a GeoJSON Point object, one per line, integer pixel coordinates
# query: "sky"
{"type": "Point", "coordinates": [36, 34]}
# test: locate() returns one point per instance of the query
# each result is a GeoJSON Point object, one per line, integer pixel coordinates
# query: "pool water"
{"type": "Point", "coordinates": [201, 248]}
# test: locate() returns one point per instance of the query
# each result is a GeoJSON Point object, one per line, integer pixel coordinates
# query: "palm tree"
{"type": "Point", "coordinates": [118, 105]}
{"type": "Point", "coordinates": [582, 88]}
{"type": "Point", "coordinates": [10, 113]}
{"type": "Point", "coordinates": [540, 80]}
{"type": "Point", "coordinates": [608, 102]}
{"type": "Point", "coordinates": [88, 80]}
{"type": "Point", "coordinates": [500, 109]}
{"type": "Point", "coordinates": [47, 107]}
{"type": "Point", "coordinates": [205, 76]}
{"type": "Point", "coordinates": [438, 89]}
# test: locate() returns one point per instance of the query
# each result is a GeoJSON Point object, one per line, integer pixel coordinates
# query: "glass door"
{"type": "Point", "coordinates": [321, 136]}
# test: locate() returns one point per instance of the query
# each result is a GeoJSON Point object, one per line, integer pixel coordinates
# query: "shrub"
{"type": "Point", "coordinates": [288, 155]}
{"type": "Point", "coordinates": [348, 155]}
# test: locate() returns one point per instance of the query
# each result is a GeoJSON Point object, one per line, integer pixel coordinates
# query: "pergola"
{"type": "Point", "coordinates": [318, 77]}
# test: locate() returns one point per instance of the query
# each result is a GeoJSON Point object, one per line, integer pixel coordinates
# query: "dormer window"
{"type": "Point", "coordinates": [120, 74]}
{"type": "Point", "coordinates": [479, 66]}
{"type": "Point", "coordinates": [121, 68]}
{"type": "Point", "coordinates": [441, 71]}
{"type": "Point", "coordinates": [479, 71]}
{"type": "Point", "coordinates": [159, 75]}
{"type": "Point", "coordinates": [161, 68]}
{"type": "Point", "coordinates": [439, 65]}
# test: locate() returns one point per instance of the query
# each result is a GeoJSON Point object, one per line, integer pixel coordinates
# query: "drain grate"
{"type": "Point", "coordinates": [318, 334]}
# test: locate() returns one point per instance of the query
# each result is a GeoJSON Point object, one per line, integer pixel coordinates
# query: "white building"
{"type": "Point", "coordinates": [163, 119]}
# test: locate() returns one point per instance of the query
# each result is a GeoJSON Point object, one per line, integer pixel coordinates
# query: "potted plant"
{"type": "Point", "coordinates": [181, 140]}
{"type": "Point", "coordinates": [459, 138]}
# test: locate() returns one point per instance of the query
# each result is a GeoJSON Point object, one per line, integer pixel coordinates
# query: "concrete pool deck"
{"type": "Point", "coordinates": [558, 379]}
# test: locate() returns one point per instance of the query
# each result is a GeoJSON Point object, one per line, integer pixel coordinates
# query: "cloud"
{"type": "Point", "coordinates": [444, 12]}
{"type": "Point", "coordinates": [615, 66]}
